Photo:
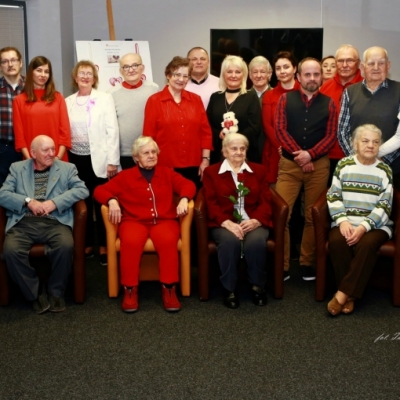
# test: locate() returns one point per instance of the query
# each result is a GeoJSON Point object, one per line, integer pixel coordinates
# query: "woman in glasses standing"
{"type": "Point", "coordinates": [177, 121]}
{"type": "Point", "coordinates": [95, 143]}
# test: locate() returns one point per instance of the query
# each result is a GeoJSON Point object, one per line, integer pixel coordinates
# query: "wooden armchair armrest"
{"type": "Point", "coordinates": [3, 267]}
{"type": "Point", "coordinates": [280, 211]}
{"type": "Point", "coordinates": [79, 231]}
{"type": "Point", "coordinates": [396, 238]}
{"type": "Point", "coordinates": [321, 221]}
{"type": "Point", "coordinates": [112, 256]}
{"type": "Point", "coordinates": [186, 224]}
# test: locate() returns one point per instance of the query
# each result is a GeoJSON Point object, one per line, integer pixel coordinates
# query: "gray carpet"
{"type": "Point", "coordinates": [290, 349]}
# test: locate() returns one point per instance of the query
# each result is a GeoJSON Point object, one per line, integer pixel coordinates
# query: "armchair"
{"type": "Point", "coordinates": [38, 259]}
{"type": "Point", "coordinates": [149, 266]}
{"type": "Point", "coordinates": [390, 249]}
{"type": "Point", "coordinates": [207, 247]}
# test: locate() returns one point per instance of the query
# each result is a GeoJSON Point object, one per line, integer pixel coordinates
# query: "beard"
{"type": "Point", "coordinates": [311, 87]}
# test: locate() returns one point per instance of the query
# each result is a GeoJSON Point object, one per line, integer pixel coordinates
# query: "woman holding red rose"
{"type": "Point", "coordinates": [236, 181]}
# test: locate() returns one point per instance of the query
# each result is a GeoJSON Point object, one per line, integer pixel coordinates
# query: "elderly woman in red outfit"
{"type": "Point", "coordinates": [141, 199]}
{"type": "Point", "coordinates": [285, 70]}
{"type": "Point", "coordinates": [177, 121]}
{"type": "Point", "coordinates": [40, 109]}
{"type": "Point", "coordinates": [249, 237]}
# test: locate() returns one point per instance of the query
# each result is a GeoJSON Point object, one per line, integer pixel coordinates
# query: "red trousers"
{"type": "Point", "coordinates": [133, 236]}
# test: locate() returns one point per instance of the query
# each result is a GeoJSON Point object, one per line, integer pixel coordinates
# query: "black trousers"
{"type": "Point", "coordinates": [229, 251]}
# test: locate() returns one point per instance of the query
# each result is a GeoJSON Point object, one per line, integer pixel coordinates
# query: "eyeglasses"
{"type": "Point", "coordinates": [85, 74]}
{"type": "Point", "coordinates": [348, 61]}
{"type": "Point", "coordinates": [134, 67]}
{"type": "Point", "coordinates": [12, 61]}
{"type": "Point", "coordinates": [180, 76]}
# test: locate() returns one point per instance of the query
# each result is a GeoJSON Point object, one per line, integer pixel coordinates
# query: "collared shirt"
{"type": "Point", "coordinates": [226, 167]}
{"type": "Point", "coordinates": [199, 82]}
{"type": "Point", "coordinates": [344, 130]}
{"type": "Point", "coordinates": [127, 85]}
{"type": "Point", "coordinates": [286, 139]}
{"type": "Point", "coordinates": [7, 94]}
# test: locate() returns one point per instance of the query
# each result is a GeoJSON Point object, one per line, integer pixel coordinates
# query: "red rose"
{"type": "Point", "coordinates": [240, 177]}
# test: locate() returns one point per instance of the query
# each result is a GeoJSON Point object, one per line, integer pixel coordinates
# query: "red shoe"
{"type": "Point", "coordinates": [130, 301]}
{"type": "Point", "coordinates": [170, 300]}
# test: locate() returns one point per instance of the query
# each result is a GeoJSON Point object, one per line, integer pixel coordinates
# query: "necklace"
{"type": "Point", "coordinates": [80, 105]}
{"type": "Point", "coordinates": [229, 106]}
{"type": "Point", "coordinates": [233, 90]}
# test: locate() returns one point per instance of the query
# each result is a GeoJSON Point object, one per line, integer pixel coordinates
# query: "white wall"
{"type": "Point", "coordinates": [174, 26]}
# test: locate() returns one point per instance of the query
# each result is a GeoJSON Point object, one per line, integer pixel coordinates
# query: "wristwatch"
{"type": "Point", "coordinates": [27, 200]}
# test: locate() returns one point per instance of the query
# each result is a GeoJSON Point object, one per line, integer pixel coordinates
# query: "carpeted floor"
{"type": "Point", "coordinates": [290, 349]}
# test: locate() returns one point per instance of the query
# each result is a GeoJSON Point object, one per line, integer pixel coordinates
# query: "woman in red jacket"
{"type": "Point", "coordinates": [248, 238]}
{"type": "Point", "coordinates": [39, 110]}
{"type": "Point", "coordinates": [141, 199]}
{"type": "Point", "coordinates": [177, 121]}
{"type": "Point", "coordinates": [285, 70]}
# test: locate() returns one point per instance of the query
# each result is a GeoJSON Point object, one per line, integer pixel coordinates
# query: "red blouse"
{"type": "Point", "coordinates": [180, 130]}
{"type": "Point", "coordinates": [40, 118]}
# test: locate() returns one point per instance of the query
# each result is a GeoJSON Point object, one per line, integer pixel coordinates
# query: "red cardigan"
{"type": "Point", "coordinates": [39, 118]}
{"type": "Point", "coordinates": [143, 202]}
{"type": "Point", "coordinates": [334, 89]}
{"type": "Point", "coordinates": [218, 187]}
{"type": "Point", "coordinates": [270, 157]}
{"type": "Point", "coordinates": [180, 130]}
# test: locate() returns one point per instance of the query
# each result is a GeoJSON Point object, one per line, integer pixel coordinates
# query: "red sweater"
{"type": "Point", "coordinates": [143, 202]}
{"type": "Point", "coordinates": [180, 130]}
{"type": "Point", "coordinates": [270, 158]}
{"type": "Point", "coordinates": [334, 89]}
{"type": "Point", "coordinates": [40, 118]}
{"type": "Point", "coordinates": [218, 188]}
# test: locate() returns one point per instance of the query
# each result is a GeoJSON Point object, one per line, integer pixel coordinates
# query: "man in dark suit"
{"type": "Point", "coordinates": [38, 195]}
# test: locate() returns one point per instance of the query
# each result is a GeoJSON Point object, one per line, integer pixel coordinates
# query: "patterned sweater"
{"type": "Point", "coordinates": [361, 194]}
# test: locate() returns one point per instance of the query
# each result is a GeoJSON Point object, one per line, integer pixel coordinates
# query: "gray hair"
{"type": "Point", "coordinates": [239, 63]}
{"type": "Point", "coordinates": [362, 128]}
{"type": "Point", "coordinates": [260, 60]}
{"type": "Point", "coordinates": [347, 46]}
{"type": "Point", "coordinates": [143, 141]}
{"type": "Point", "coordinates": [234, 136]}
{"type": "Point", "coordinates": [365, 54]}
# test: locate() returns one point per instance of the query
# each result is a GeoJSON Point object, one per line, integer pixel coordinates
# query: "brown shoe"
{"type": "Point", "coordinates": [348, 307]}
{"type": "Point", "coordinates": [334, 307]}
{"type": "Point", "coordinates": [170, 300]}
{"type": "Point", "coordinates": [130, 302]}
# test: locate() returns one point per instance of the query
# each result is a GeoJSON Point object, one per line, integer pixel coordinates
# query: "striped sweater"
{"type": "Point", "coordinates": [361, 194]}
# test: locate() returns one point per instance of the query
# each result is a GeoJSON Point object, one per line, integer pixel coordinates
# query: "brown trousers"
{"type": "Point", "coordinates": [353, 265]}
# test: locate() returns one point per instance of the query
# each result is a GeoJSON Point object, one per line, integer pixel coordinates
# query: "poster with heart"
{"type": "Point", "coordinates": [106, 55]}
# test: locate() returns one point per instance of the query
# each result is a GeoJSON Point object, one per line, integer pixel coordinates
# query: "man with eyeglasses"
{"type": "Point", "coordinates": [375, 100]}
{"type": "Point", "coordinates": [347, 73]}
{"type": "Point", "coordinates": [130, 100]}
{"type": "Point", "coordinates": [201, 82]}
{"type": "Point", "coordinates": [11, 85]}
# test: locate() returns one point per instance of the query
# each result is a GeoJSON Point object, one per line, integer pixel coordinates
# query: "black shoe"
{"type": "Point", "coordinates": [89, 255]}
{"type": "Point", "coordinates": [41, 304]}
{"type": "Point", "coordinates": [308, 273]}
{"type": "Point", "coordinates": [231, 299]}
{"type": "Point", "coordinates": [259, 296]}
{"type": "Point", "coordinates": [103, 260]}
{"type": "Point", "coordinates": [286, 275]}
{"type": "Point", "coordinates": [57, 304]}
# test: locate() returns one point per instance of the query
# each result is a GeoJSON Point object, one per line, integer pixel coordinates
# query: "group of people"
{"type": "Point", "coordinates": [175, 140]}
